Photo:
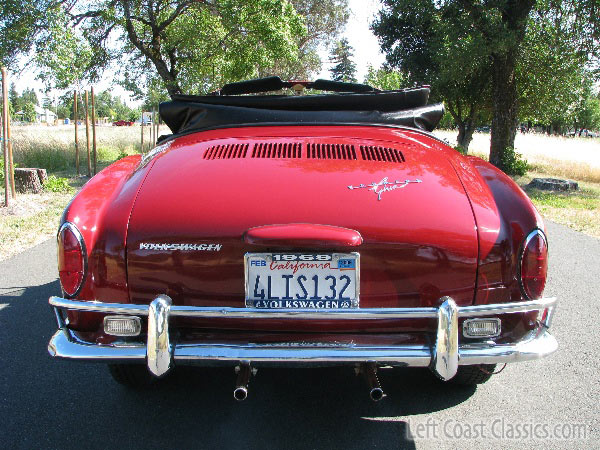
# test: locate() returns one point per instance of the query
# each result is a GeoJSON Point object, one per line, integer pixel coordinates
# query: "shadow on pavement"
{"type": "Point", "coordinates": [60, 404]}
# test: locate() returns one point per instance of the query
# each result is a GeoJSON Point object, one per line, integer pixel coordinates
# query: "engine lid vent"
{"type": "Point", "coordinates": [277, 150]}
{"type": "Point", "coordinates": [384, 154]}
{"type": "Point", "coordinates": [226, 151]}
{"type": "Point", "coordinates": [331, 151]}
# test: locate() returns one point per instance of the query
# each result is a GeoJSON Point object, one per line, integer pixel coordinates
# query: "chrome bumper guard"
{"type": "Point", "coordinates": [443, 358]}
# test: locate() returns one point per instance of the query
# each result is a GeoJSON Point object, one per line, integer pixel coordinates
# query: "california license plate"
{"type": "Point", "coordinates": [302, 280]}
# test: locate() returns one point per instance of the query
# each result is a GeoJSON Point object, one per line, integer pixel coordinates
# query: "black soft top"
{"type": "Point", "coordinates": [353, 104]}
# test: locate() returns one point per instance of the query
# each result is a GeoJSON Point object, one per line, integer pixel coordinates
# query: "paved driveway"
{"type": "Point", "coordinates": [47, 403]}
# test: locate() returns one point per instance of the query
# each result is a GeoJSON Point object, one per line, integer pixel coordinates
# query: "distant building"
{"type": "Point", "coordinates": [44, 115]}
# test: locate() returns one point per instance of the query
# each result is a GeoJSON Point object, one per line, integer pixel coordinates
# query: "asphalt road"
{"type": "Point", "coordinates": [46, 403]}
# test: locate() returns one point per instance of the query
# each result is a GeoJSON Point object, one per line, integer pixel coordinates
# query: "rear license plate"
{"type": "Point", "coordinates": [302, 280]}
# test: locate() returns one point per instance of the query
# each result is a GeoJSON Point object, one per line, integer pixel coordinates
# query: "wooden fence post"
{"type": "Point", "coordinates": [94, 130]}
{"type": "Point", "coordinates": [11, 166]}
{"type": "Point", "coordinates": [76, 119]}
{"type": "Point", "coordinates": [87, 136]}
{"type": "Point", "coordinates": [142, 128]}
{"type": "Point", "coordinates": [155, 124]}
{"type": "Point", "coordinates": [4, 143]}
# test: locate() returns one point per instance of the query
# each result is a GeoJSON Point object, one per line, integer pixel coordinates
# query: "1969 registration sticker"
{"type": "Point", "coordinates": [302, 280]}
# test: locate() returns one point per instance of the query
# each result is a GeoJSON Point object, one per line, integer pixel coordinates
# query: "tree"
{"type": "Point", "coordinates": [476, 49]}
{"type": "Point", "coordinates": [192, 45]}
{"type": "Point", "coordinates": [341, 56]}
{"type": "Point", "coordinates": [29, 112]}
{"type": "Point", "coordinates": [386, 78]}
{"type": "Point", "coordinates": [432, 45]}
{"type": "Point", "coordinates": [324, 20]}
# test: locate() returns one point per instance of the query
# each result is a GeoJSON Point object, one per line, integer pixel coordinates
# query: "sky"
{"type": "Point", "coordinates": [360, 37]}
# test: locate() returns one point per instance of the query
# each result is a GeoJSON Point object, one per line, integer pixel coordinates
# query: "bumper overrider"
{"type": "Point", "coordinates": [443, 358]}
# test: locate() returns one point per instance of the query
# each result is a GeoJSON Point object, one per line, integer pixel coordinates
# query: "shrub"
{"type": "Point", "coordinates": [513, 163]}
{"type": "Point", "coordinates": [58, 184]}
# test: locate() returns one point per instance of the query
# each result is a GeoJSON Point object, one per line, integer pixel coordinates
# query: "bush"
{"type": "Point", "coordinates": [513, 163]}
{"type": "Point", "coordinates": [57, 184]}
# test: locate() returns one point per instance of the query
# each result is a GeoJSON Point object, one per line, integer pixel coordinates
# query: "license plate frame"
{"type": "Point", "coordinates": [268, 257]}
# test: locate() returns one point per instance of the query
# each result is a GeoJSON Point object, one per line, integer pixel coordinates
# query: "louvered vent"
{"type": "Point", "coordinates": [331, 151]}
{"type": "Point", "coordinates": [385, 154]}
{"type": "Point", "coordinates": [226, 151]}
{"type": "Point", "coordinates": [277, 150]}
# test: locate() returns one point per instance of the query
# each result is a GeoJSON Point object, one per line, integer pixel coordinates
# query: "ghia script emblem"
{"type": "Point", "coordinates": [385, 186]}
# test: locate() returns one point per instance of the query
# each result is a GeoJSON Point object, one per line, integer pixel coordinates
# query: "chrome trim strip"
{"type": "Point", "coordinates": [505, 308]}
{"type": "Point", "coordinates": [159, 352]}
{"type": "Point", "coordinates": [254, 313]}
{"type": "Point", "coordinates": [444, 361]}
{"type": "Point", "coordinates": [538, 345]}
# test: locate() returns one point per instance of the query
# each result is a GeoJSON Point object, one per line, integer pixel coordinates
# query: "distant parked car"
{"type": "Point", "coordinates": [122, 123]}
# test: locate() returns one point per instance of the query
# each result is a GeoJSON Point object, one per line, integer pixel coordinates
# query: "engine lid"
{"type": "Point", "coordinates": [188, 229]}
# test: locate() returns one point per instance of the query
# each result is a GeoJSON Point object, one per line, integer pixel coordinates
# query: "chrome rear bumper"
{"type": "Point", "coordinates": [443, 358]}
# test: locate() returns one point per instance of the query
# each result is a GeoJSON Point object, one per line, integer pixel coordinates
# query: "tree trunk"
{"type": "Point", "coordinates": [505, 108]}
{"type": "Point", "coordinates": [465, 134]}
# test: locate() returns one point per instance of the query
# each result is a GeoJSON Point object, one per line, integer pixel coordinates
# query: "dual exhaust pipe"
{"type": "Point", "coordinates": [367, 370]}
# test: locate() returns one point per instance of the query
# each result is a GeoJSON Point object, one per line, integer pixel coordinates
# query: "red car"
{"type": "Point", "coordinates": [302, 230]}
{"type": "Point", "coordinates": [122, 123]}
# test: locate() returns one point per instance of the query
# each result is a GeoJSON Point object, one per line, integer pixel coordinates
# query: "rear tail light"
{"type": "Point", "coordinates": [534, 265]}
{"type": "Point", "coordinates": [71, 259]}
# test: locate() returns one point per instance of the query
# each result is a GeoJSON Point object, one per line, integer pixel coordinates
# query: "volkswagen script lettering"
{"type": "Point", "coordinates": [385, 186]}
{"type": "Point", "coordinates": [189, 247]}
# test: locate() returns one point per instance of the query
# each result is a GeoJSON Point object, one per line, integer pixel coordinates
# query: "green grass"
{"type": "Point", "coordinates": [579, 209]}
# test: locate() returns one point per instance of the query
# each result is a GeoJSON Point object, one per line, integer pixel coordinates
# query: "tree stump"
{"type": "Point", "coordinates": [27, 180]}
{"type": "Point", "coordinates": [553, 184]}
{"type": "Point", "coordinates": [43, 175]}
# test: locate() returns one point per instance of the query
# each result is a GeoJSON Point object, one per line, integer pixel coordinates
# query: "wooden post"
{"type": "Point", "coordinates": [142, 128]}
{"type": "Point", "coordinates": [11, 166]}
{"type": "Point", "coordinates": [87, 136]}
{"type": "Point", "coordinates": [4, 143]}
{"type": "Point", "coordinates": [156, 129]}
{"type": "Point", "coordinates": [153, 129]}
{"type": "Point", "coordinates": [75, 119]}
{"type": "Point", "coordinates": [94, 129]}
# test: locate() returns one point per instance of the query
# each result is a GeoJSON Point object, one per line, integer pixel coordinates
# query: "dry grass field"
{"type": "Point", "coordinates": [33, 218]}
{"type": "Point", "coordinates": [576, 158]}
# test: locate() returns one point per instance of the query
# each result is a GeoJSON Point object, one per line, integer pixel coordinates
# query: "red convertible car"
{"type": "Point", "coordinates": [302, 230]}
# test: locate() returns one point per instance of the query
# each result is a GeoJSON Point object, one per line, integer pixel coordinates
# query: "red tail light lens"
{"type": "Point", "coordinates": [534, 265]}
{"type": "Point", "coordinates": [71, 259]}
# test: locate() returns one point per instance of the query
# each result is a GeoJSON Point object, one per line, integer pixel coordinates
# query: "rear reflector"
{"type": "Point", "coordinates": [477, 328]}
{"type": "Point", "coordinates": [534, 265]}
{"type": "Point", "coordinates": [71, 259]}
{"type": "Point", "coordinates": [122, 325]}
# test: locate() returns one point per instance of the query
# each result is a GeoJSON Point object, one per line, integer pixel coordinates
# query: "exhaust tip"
{"type": "Point", "coordinates": [240, 393]}
{"type": "Point", "coordinates": [376, 394]}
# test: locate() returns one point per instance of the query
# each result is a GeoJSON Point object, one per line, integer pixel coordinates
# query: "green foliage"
{"type": "Point", "coordinates": [386, 78]}
{"type": "Point", "coordinates": [193, 46]}
{"type": "Point", "coordinates": [433, 43]}
{"type": "Point", "coordinates": [513, 163]}
{"type": "Point", "coordinates": [344, 68]}
{"type": "Point", "coordinates": [58, 184]}
{"type": "Point", "coordinates": [29, 112]}
{"type": "Point", "coordinates": [65, 57]}
{"type": "Point", "coordinates": [324, 20]}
